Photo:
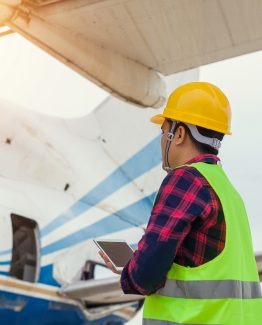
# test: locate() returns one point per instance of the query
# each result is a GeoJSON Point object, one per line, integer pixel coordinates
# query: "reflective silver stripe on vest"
{"type": "Point", "coordinates": [148, 321]}
{"type": "Point", "coordinates": [211, 289]}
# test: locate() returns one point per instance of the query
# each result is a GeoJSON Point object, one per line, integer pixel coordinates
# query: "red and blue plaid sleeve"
{"type": "Point", "coordinates": [183, 198]}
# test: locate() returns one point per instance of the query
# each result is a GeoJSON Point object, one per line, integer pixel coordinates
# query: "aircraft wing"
{"type": "Point", "coordinates": [127, 46]}
{"type": "Point", "coordinates": [98, 292]}
{"type": "Point", "coordinates": [101, 297]}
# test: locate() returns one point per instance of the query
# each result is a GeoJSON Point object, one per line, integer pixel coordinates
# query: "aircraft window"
{"type": "Point", "coordinates": [26, 249]}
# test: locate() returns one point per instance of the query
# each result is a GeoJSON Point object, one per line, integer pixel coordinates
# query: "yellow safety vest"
{"type": "Point", "coordinates": [225, 290]}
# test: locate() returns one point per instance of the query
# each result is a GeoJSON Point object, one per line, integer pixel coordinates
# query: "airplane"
{"type": "Point", "coordinates": [67, 181]}
{"type": "Point", "coordinates": [77, 182]}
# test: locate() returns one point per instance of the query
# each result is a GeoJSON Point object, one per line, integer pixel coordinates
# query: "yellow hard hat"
{"type": "Point", "coordinates": [198, 103]}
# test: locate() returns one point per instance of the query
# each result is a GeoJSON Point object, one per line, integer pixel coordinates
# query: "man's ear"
{"type": "Point", "coordinates": [180, 135]}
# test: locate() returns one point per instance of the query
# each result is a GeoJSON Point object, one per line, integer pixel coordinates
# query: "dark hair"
{"type": "Point", "coordinates": [201, 147]}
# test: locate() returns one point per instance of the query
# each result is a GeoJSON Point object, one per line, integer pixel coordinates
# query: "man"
{"type": "Point", "coordinates": [195, 262]}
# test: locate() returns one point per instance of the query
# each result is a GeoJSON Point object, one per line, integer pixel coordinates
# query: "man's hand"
{"type": "Point", "coordinates": [108, 263]}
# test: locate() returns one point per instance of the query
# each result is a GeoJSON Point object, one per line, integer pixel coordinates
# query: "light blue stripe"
{"type": "Point", "coordinates": [5, 252]}
{"type": "Point", "coordinates": [147, 158]}
{"type": "Point", "coordinates": [138, 212]}
{"type": "Point", "coordinates": [5, 263]}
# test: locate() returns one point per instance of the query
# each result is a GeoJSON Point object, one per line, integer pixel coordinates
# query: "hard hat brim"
{"type": "Point", "coordinates": [158, 119]}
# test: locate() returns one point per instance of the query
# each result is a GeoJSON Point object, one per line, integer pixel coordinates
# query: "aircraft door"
{"type": "Point", "coordinates": [26, 249]}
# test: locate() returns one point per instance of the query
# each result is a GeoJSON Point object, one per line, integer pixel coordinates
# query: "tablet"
{"type": "Point", "coordinates": [117, 251]}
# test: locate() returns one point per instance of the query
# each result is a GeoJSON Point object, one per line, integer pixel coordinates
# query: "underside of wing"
{"type": "Point", "coordinates": [125, 46]}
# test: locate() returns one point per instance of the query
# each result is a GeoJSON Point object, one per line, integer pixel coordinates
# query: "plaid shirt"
{"type": "Point", "coordinates": [186, 227]}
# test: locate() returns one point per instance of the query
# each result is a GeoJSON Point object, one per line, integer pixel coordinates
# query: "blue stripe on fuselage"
{"type": "Point", "coordinates": [137, 212]}
{"type": "Point", "coordinates": [147, 158]}
{"type": "Point", "coordinates": [30, 310]}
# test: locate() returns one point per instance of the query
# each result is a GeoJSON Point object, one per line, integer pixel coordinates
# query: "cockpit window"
{"type": "Point", "coordinates": [26, 249]}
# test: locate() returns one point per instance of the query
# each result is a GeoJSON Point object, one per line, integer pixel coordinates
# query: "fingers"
{"type": "Point", "coordinates": [108, 263]}
{"type": "Point", "coordinates": [104, 257]}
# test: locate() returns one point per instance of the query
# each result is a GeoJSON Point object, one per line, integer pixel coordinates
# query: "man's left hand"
{"type": "Point", "coordinates": [108, 263]}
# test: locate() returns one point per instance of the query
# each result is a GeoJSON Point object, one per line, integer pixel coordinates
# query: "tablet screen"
{"type": "Point", "coordinates": [119, 252]}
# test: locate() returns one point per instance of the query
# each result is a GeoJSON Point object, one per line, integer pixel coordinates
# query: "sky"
{"type": "Point", "coordinates": [241, 80]}
{"type": "Point", "coordinates": [35, 80]}
{"type": "Point", "coordinates": [42, 83]}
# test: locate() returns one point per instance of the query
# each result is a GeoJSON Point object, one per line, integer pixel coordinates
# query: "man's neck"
{"type": "Point", "coordinates": [187, 156]}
